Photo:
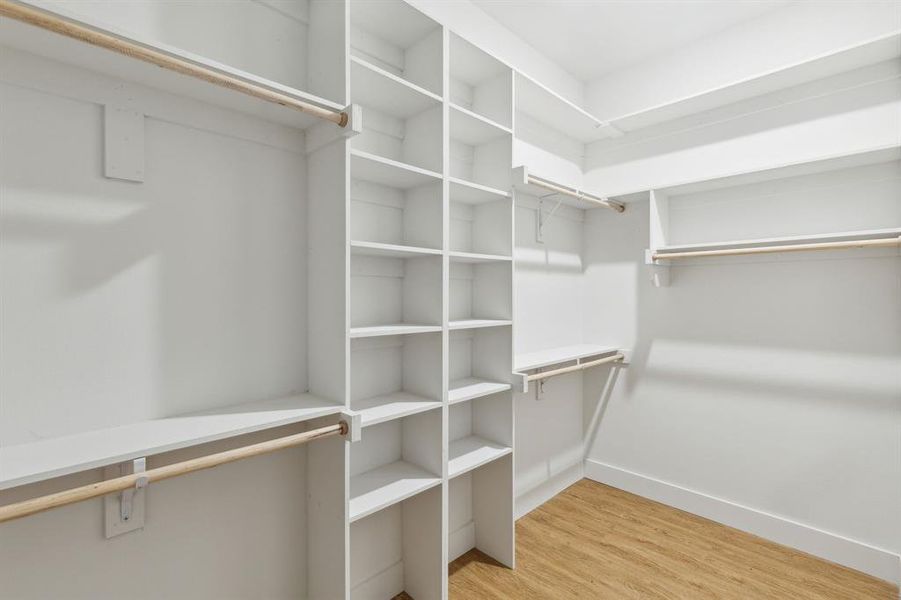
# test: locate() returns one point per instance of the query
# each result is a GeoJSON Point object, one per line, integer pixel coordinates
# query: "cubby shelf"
{"type": "Point", "coordinates": [470, 388]}
{"type": "Point", "coordinates": [469, 192]}
{"type": "Point", "coordinates": [389, 484]}
{"type": "Point", "coordinates": [474, 129]}
{"type": "Point", "coordinates": [30, 462]}
{"type": "Point", "coordinates": [390, 250]}
{"type": "Point", "coordinates": [377, 88]}
{"type": "Point", "coordinates": [471, 453]}
{"type": "Point", "coordinates": [386, 171]}
{"type": "Point", "coordinates": [478, 323]}
{"type": "Point", "coordinates": [475, 257]}
{"type": "Point", "coordinates": [392, 329]}
{"type": "Point", "coordinates": [392, 406]}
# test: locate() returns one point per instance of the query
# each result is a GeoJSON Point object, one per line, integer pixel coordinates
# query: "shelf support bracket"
{"type": "Point", "coordinates": [541, 221]}
{"type": "Point", "coordinates": [124, 511]}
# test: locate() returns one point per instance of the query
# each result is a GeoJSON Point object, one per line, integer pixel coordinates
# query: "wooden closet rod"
{"type": "Point", "coordinates": [618, 207]}
{"type": "Point", "coordinates": [102, 488]}
{"type": "Point", "coordinates": [77, 31]}
{"type": "Point", "coordinates": [882, 243]}
{"type": "Point", "coordinates": [579, 367]}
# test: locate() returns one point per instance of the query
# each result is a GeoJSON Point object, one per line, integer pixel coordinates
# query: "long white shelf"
{"type": "Point", "coordinates": [392, 329]}
{"type": "Point", "coordinates": [843, 236]}
{"type": "Point", "coordinates": [389, 484]}
{"type": "Point", "coordinates": [36, 461]}
{"type": "Point", "coordinates": [553, 356]}
{"type": "Point", "coordinates": [56, 47]}
{"type": "Point", "coordinates": [378, 169]}
{"type": "Point", "coordinates": [478, 323]}
{"type": "Point", "coordinates": [471, 453]}
{"type": "Point", "coordinates": [391, 250]}
{"type": "Point", "coordinates": [385, 92]}
{"type": "Point", "coordinates": [846, 59]}
{"type": "Point", "coordinates": [470, 388]}
{"type": "Point", "coordinates": [379, 409]}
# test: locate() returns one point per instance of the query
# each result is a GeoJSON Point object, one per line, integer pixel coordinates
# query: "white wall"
{"type": "Point", "coordinates": [769, 384]}
{"type": "Point", "coordinates": [549, 285]}
{"type": "Point", "coordinates": [124, 301]}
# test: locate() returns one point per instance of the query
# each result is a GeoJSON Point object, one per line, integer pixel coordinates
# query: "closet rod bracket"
{"type": "Point", "coordinates": [124, 512]}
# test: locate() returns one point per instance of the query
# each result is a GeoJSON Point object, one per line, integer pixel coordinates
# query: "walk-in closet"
{"type": "Point", "coordinates": [450, 299]}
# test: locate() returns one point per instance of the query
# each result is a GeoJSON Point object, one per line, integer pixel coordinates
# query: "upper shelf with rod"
{"type": "Point", "coordinates": [524, 181]}
{"type": "Point", "coordinates": [534, 366]}
{"type": "Point", "coordinates": [80, 40]}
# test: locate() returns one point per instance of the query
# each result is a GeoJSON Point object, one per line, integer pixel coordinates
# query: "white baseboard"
{"type": "Point", "coordinates": [461, 541]}
{"type": "Point", "coordinates": [841, 550]}
{"type": "Point", "coordinates": [384, 584]}
{"type": "Point", "coordinates": [538, 495]}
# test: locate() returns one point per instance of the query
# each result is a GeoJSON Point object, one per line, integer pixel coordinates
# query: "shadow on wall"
{"type": "Point", "coordinates": [156, 292]}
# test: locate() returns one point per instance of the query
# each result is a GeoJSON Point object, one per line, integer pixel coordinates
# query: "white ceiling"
{"type": "Point", "coordinates": [589, 38]}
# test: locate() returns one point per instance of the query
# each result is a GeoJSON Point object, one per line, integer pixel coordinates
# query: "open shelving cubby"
{"type": "Point", "coordinates": [480, 470]}
{"type": "Point", "coordinates": [480, 363]}
{"type": "Point", "coordinates": [480, 84]}
{"type": "Point", "coordinates": [395, 508]}
{"type": "Point", "coordinates": [481, 292]}
{"type": "Point", "coordinates": [395, 376]}
{"type": "Point", "coordinates": [394, 293]}
{"type": "Point", "coordinates": [393, 206]}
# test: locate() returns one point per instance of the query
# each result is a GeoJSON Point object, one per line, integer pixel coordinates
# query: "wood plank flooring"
{"type": "Point", "coordinates": [594, 541]}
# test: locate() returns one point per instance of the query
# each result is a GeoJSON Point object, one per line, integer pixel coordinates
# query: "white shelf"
{"type": "Point", "coordinates": [473, 129]}
{"type": "Point", "coordinates": [36, 461]}
{"type": "Point", "coordinates": [377, 169]}
{"type": "Point", "coordinates": [390, 250]}
{"type": "Point", "coordinates": [553, 356]}
{"type": "Point", "coordinates": [392, 483]}
{"type": "Point", "coordinates": [394, 329]}
{"type": "Point", "coordinates": [385, 92]}
{"type": "Point", "coordinates": [475, 257]}
{"type": "Point", "coordinates": [98, 60]}
{"type": "Point", "coordinates": [392, 406]}
{"type": "Point", "coordinates": [545, 106]}
{"type": "Point", "coordinates": [469, 192]}
{"type": "Point", "coordinates": [470, 388]}
{"type": "Point", "coordinates": [844, 236]}
{"type": "Point", "coordinates": [478, 323]}
{"type": "Point", "coordinates": [847, 59]}
{"type": "Point", "coordinates": [521, 184]}
{"type": "Point", "coordinates": [471, 453]}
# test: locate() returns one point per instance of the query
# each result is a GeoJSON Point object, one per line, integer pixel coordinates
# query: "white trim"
{"type": "Point", "coordinates": [857, 555]}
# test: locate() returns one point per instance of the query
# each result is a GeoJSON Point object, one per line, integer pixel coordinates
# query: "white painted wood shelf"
{"type": "Point", "coordinates": [471, 453]}
{"type": "Point", "coordinates": [387, 407]}
{"type": "Point", "coordinates": [392, 329]}
{"type": "Point", "coordinates": [390, 250]}
{"type": "Point", "coordinates": [384, 486]}
{"type": "Point", "coordinates": [36, 461]}
{"type": "Point", "coordinates": [473, 129]}
{"type": "Point", "coordinates": [470, 388]}
{"type": "Point", "coordinates": [843, 236]}
{"type": "Point", "coordinates": [542, 104]}
{"type": "Point", "coordinates": [476, 257]}
{"type": "Point", "coordinates": [478, 323]}
{"type": "Point", "coordinates": [377, 88]}
{"type": "Point", "coordinates": [554, 356]}
{"type": "Point", "coordinates": [378, 169]}
{"type": "Point", "coordinates": [469, 192]}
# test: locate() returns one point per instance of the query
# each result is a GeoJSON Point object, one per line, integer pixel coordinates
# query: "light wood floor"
{"type": "Point", "coordinates": [594, 541]}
